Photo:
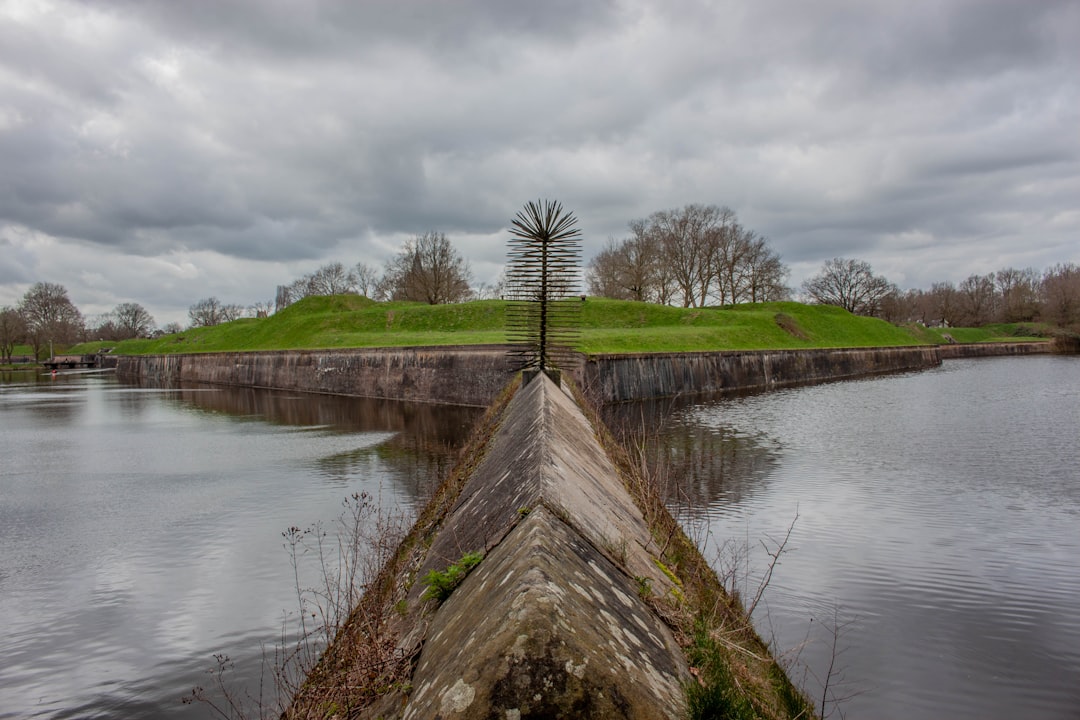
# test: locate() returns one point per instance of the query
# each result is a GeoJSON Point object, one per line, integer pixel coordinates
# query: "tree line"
{"type": "Point", "coordinates": [693, 256]}
{"type": "Point", "coordinates": [427, 269]}
{"type": "Point", "coordinates": [1009, 295]}
{"type": "Point", "coordinates": [46, 316]}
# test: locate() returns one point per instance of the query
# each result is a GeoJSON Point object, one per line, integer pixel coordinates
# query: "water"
{"type": "Point", "coordinates": [141, 529]}
{"type": "Point", "coordinates": [938, 526]}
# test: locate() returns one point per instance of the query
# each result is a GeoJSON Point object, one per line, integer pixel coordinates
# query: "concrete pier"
{"type": "Point", "coordinates": [568, 614]}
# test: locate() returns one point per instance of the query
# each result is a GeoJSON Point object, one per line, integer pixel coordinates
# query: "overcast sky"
{"type": "Point", "coordinates": [162, 152]}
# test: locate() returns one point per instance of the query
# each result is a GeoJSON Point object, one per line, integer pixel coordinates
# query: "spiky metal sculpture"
{"type": "Point", "coordinates": [542, 285]}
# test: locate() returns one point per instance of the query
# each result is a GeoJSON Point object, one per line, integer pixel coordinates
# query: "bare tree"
{"type": "Point", "coordinates": [694, 254]}
{"type": "Point", "coordinates": [211, 311]}
{"type": "Point", "coordinates": [12, 332]}
{"type": "Point", "coordinates": [332, 279]}
{"type": "Point", "coordinates": [1018, 294]}
{"type": "Point", "coordinates": [428, 269]}
{"type": "Point", "coordinates": [172, 328]}
{"type": "Point", "coordinates": [688, 238]}
{"type": "Point", "coordinates": [639, 264]}
{"type": "Point", "coordinates": [603, 274]}
{"type": "Point", "coordinates": [490, 291]}
{"type": "Point", "coordinates": [103, 327]}
{"type": "Point", "coordinates": [367, 279]}
{"type": "Point", "coordinates": [629, 269]}
{"type": "Point", "coordinates": [850, 284]}
{"type": "Point", "coordinates": [132, 320]}
{"type": "Point", "coordinates": [50, 316]}
{"type": "Point", "coordinates": [261, 309]}
{"type": "Point", "coordinates": [1061, 294]}
{"type": "Point", "coordinates": [945, 304]}
{"type": "Point", "coordinates": [978, 300]}
{"type": "Point", "coordinates": [765, 275]}
{"type": "Point", "coordinates": [232, 312]}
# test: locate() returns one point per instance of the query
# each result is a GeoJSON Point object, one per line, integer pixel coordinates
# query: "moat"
{"type": "Point", "coordinates": [937, 516]}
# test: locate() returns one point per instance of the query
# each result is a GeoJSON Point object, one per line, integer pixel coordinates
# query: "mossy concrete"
{"type": "Point", "coordinates": [562, 633]}
{"type": "Point", "coordinates": [557, 620]}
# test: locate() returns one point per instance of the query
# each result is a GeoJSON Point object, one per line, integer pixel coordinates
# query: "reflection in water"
{"type": "Point", "coordinates": [699, 466]}
{"type": "Point", "coordinates": [415, 457]}
{"type": "Point", "coordinates": [938, 516]}
{"type": "Point", "coordinates": [141, 528]}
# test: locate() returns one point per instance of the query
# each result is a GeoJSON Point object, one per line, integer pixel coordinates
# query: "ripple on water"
{"type": "Point", "coordinates": [938, 519]}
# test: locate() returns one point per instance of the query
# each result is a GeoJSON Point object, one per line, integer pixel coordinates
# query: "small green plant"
{"type": "Point", "coordinates": [441, 584]}
{"type": "Point", "coordinates": [668, 571]}
{"type": "Point", "coordinates": [714, 693]}
{"type": "Point", "coordinates": [644, 586]}
{"type": "Point", "coordinates": [523, 511]}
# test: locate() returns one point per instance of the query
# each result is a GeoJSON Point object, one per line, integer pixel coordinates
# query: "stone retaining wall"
{"type": "Point", "coordinates": [622, 378]}
{"type": "Point", "coordinates": [973, 350]}
{"type": "Point", "coordinates": [474, 375]}
{"type": "Point", "coordinates": [459, 375]}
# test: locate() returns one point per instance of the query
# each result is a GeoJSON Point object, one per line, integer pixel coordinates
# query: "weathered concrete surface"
{"type": "Point", "coordinates": [551, 623]}
{"type": "Point", "coordinates": [562, 634]}
{"type": "Point", "coordinates": [621, 378]}
{"type": "Point", "coordinates": [546, 453]}
{"type": "Point", "coordinates": [474, 375]}
{"type": "Point", "coordinates": [973, 350]}
{"type": "Point", "coordinates": [457, 375]}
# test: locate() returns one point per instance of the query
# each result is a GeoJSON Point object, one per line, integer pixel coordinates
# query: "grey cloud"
{"type": "Point", "coordinates": [321, 29]}
{"type": "Point", "coordinates": [286, 134]}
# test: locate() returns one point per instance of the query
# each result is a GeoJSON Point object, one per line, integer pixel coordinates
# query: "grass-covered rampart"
{"type": "Point", "coordinates": [998, 332]}
{"type": "Point", "coordinates": [607, 326]}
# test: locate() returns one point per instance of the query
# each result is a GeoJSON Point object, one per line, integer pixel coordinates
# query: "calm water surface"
{"type": "Point", "coordinates": [938, 525]}
{"type": "Point", "coordinates": [141, 529]}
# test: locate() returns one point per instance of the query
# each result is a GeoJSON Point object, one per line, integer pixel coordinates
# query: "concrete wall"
{"type": "Point", "coordinates": [468, 375]}
{"type": "Point", "coordinates": [551, 623]}
{"type": "Point", "coordinates": [621, 378]}
{"type": "Point", "coordinates": [474, 375]}
{"type": "Point", "coordinates": [973, 350]}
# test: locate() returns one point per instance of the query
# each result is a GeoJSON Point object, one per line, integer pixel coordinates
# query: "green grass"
{"type": "Point", "coordinates": [607, 326]}
{"type": "Point", "coordinates": [617, 326]}
{"type": "Point", "coordinates": [441, 584]}
{"type": "Point", "coordinates": [999, 332]}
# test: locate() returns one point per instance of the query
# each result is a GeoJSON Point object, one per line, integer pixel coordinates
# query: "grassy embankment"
{"type": "Point", "coordinates": [607, 326]}
{"type": "Point", "coordinates": [998, 332]}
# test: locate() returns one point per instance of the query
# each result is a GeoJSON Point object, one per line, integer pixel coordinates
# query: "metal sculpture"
{"type": "Point", "coordinates": [543, 270]}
